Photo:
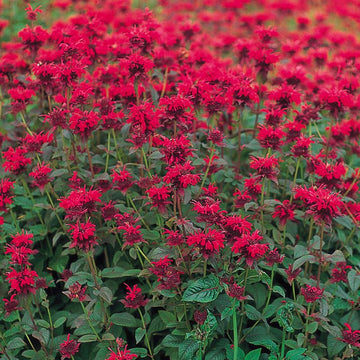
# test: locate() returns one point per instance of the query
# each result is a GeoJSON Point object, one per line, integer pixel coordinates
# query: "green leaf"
{"type": "Point", "coordinates": [150, 234]}
{"type": "Point", "coordinates": [253, 355]}
{"type": "Point", "coordinates": [124, 319]}
{"type": "Point", "coordinates": [15, 343]}
{"type": "Point", "coordinates": [167, 317]}
{"type": "Point", "coordinates": [172, 341]}
{"type": "Point", "coordinates": [354, 280]}
{"type": "Point", "coordinates": [227, 312]}
{"type": "Point", "coordinates": [106, 294]}
{"type": "Point", "coordinates": [334, 346]}
{"type": "Point", "coordinates": [43, 323]}
{"type": "Point", "coordinates": [203, 290]}
{"type": "Point", "coordinates": [59, 321]}
{"type": "Point", "coordinates": [267, 343]}
{"type": "Point", "coordinates": [252, 313]}
{"type": "Point", "coordinates": [29, 354]}
{"type": "Point", "coordinates": [302, 260]}
{"type": "Point", "coordinates": [108, 337]}
{"type": "Point", "coordinates": [279, 290]}
{"type": "Point", "coordinates": [139, 351]}
{"type": "Point", "coordinates": [296, 354]}
{"type": "Point", "coordinates": [112, 273]}
{"type": "Point", "coordinates": [139, 334]}
{"type": "Point", "coordinates": [187, 349]}
{"type": "Point", "coordinates": [87, 338]}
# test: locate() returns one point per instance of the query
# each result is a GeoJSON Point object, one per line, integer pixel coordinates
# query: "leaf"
{"type": "Point", "coordinates": [267, 343]}
{"type": "Point", "coordinates": [312, 327]}
{"type": "Point", "coordinates": [106, 294]}
{"type": "Point", "coordinates": [334, 346]}
{"type": "Point", "coordinates": [227, 312]}
{"type": "Point", "coordinates": [156, 155]}
{"type": "Point", "coordinates": [253, 355]}
{"type": "Point", "coordinates": [29, 354]}
{"type": "Point", "coordinates": [87, 338]}
{"type": "Point", "coordinates": [302, 260]}
{"type": "Point", "coordinates": [296, 354]}
{"type": "Point", "coordinates": [187, 349]}
{"type": "Point", "coordinates": [139, 334]}
{"type": "Point", "coordinates": [203, 290]}
{"type": "Point", "coordinates": [108, 337]}
{"type": "Point", "coordinates": [336, 256]}
{"type": "Point", "coordinates": [112, 273]}
{"type": "Point", "coordinates": [124, 319]}
{"type": "Point", "coordinates": [139, 351]}
{"type": "Point", "coordinates": [344, 221]}
{"type": "Point", "coordinates": [172, 341]}
{"type": "Point", "coordinates": [252, 313]}
{"type": "Point", "coordinates": [167, 317]}
{"type": "Point", "coordinates": [279, 290]}
{"type": "Point", "coordinates": [150, 234]}
{"type": "Point", "coordinates": [15, 343]}
{"type": "Point", "coordinates": [59, 321]}
{"type": "Point", "coordinates": [43, 323]}
{"type": "Point", "coordinates": [354, 280]}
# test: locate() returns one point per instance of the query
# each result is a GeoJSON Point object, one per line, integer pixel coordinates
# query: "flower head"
{"type": "Point", "coordinates": [68, 348]}
{"type": "Point", "coordinates": [134, 298]}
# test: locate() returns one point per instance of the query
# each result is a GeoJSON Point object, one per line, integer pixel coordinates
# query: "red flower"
{"type": "Point", "coordinates": [121, 354]}
{"type": "Point", "coordinates": [134, 298]}
{"type": "Point", "coordinates": [292, 274]}
{"type": "Point", "coordinates": [5, 196]}
{"type": "Point", "coordinates": [176, 150]}
{"type": "Point", "coordinates": [200, 316]}
{"type": "Point", "coordinates": [132, 234]}
{"type": "Point", "coordinates": [41, 176]}
{"type": "Point", "coordinates": [76, 291]}
{"type": "Point", "coordinates": [273, 257]}
{"type": "Point", "coordinates": [23, 281]}
{"type": "Point", "coordinates": [68, 348]}
{"type": "Point", "coordinates": [266, 167]}
{"type": "Point", "coordinates": [284, 212]}
{"type": "Point", "coordinates": [83, 236]}
{"type": "Point", "coordinates": [249, 246]}
{"type": "Point", "coordinates": [158, 197]}
{"type": "Point", "coordinates": [350, 336]}
{"type": "Point", "coordinates": [11, 305]}
{"type": "Point", "coordinates": [301, 147]}
{"type": "Point", "coordinates": [121, 179]}
{"type": "Point", "coordinates": [207, 244]}
{"type": "Point", "coordinates": [34, 142]}
{"type": "Point", "coordinates": [339, 273]}
{"type": "Point", "coordinates": [20, 248]}
{"type": "Point", "coordinates": [236, 291]}
{"type": "Point", "coordinates": [311, 293]}
{"type": "Point", "coordinates": [320, 203]}
{"type": "Point", "coordinates": [84, 123]}
{"type": "Point", "coordinates": [168, 276]}
{"type": "Point", "coordinates": [15, 160]}
{"type": "Point", "coordinates": [270, 138]}
{"type": "Point", "coordinates": [173, 238]}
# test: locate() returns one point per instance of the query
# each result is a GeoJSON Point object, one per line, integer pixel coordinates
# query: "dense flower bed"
{"type": "Point", "coordinates": [180, 182]}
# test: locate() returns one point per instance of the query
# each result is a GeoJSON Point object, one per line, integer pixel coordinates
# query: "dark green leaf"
{"type": "Point", "coordinates": [203, 290]}
{"type": "Point", "coordinates": [334, 346]}
{"type": "Point", "coordinates": [15, 343]}
{"type": "Point", "coordinates": [124, 319]}
{"type": "Point", "coordinates": [59, 321]}
{"type": "Point", "coordinates": [87, 338]}
{"type": "Point", "coordinates": [139, 334]}
{"type": "Point", "coordinates": [253, 355]}
{"type": "Point", "coordinates": [187, 349]}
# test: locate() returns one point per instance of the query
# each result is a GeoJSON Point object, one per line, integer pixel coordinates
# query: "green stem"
{"type": "Point", "coordinates": [52, 328]}
{"type": "Point", "coordinates": [295, 177]}
{"type": "Point", "coordinates": [205, 267]}
{"type": "Point", "coordinates": [89, 322]}
{"type": "Point", "coordinates": [116, 146]}
{"type": "Point", "coordinates": [320, 254]}
{"type": "Point", "coordinates": [137, 212]}
{"type": "Point", "coordinates": [283, 344]}
{"type": "Point", "coordinates": [146, 335]}
{"type": "Point", "coordinates": [235, 330]}
{"type": "Point", "coordinates": [108, 152]}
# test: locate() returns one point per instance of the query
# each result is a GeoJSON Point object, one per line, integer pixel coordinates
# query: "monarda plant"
{"type": "Point", "coordinates": [180, 181]}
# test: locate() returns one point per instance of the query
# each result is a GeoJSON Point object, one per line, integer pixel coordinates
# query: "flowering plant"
{"type": "Point", "coordinates": [179, 183]}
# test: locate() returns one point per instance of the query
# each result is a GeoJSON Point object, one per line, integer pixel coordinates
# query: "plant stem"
{"type": "Point", "coordinates": [235, 330]}
{"type": "Point", "coordinates": [146, 335]}
{"type": "Point", "coordinates": [89, 159]}
{"type": "Point", "coordinates": [89, 322]}
{"type": "Point", "coordinates": [283, 344]}
{"type": "Point", "coordinates": [320, 254]}
{"type": "Point", "coordinates": [108, 152]}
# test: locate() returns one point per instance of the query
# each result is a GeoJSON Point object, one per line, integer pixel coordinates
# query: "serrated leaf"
{"type": "Point", "coordinates": [203, 290]}
{"type": "Point", "coordinates": [252, 313]}
{"type": "Point", "coordinates": [108, 337]}
{"type": "Point", "coordinates": [15, 343]}
{"type": "Point", "coordinates": [167, 317]}
{"type": "Point", "coordinates": [124, 319]}
{"type": "Point", "coordinates": [43, 323]}
{"type": "Point", "coordinates": [354, 280]}
{"type": "Point", "coordinates": [302, 260]}
{"type": "Point", "coordinates": [113, 272]}
{"type": "Point", "coordinates": [87, 338]}
{"type": "Point", "coordinates": [334, 346]}
{"type": "Point", "coordinates": [187, 349]}
{"type": "Point", "coordinates": [59, 321]}
{"type": "Point", "coordinates": [296, 354]}
{"type": "Point", "coordinates": [253, 355]}
{"type": "Point", "coordinates": [279, 290]}
{"type": "Point", "coordinates": [139, 334]}
{"type": "Point", "coordinates": [227, 312]}
{"type": "Point", "coordinates": [172, 341]}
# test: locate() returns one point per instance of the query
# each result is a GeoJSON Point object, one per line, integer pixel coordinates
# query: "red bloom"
{"type": "Point", "coordinates": [76, 291]}
{"type": "Point", "coordinates": [173, 238]}
{"type": "Point", "coordinates": [134, 298]}
{"type": "Point", "coordinates": [23, 281]}
{"type": "Point", "coordinates": [339, 273]}
{"type": "Point", "coordinates": [158, 197]}
{"type": "Point", "coordinates": [350, 336]}
{"type": "Point", "coordinates": [21, 97]}
{"type": "Point", "coordinates": [68, 348]}
{"type": "Point", "coordinates": [11, 305]}
{"type": "Point", "coordinates": [15, 160]}
{"type": "Point", "coordinates": [320, 203]}
{"type": "Point", "coordinates": [311, 293]}
{"type": "Point", "coordinates": [292, 274]}
{"type": "Point", "coordinates": [284, 212]}
{"type": "Point", "coordinates": [20, 248]}
{"type": "Point", "coordinates": [249, 246]}
{"type": "Point", "coordinates": [273, 257]}
{"type": "Point", "coordinates": [132, 234]}
{"type": "Point", "coordinates": [84, 123]}
{"type": "Point", "coordinates": [168, 276]}
{"type": "Point", "coordinates": [121, 179]}
{"type": "Point", "coordinates": [207, 244]}
{"type": "Point", "coordinates": [121, 354]}
{"type": "Point", "coordinates": [5, 193]}
{"type": "Point", "coordinates": [41, 176]}
{"type": "Point", "coordinates": [136, 66]}
{"type": "Point", "coordinates": [180, 176]}
{"type": "Point", "coordinates": [236, 291]}
{"type": "Point", "coordinates": [176, 150]}
{"type": "Point", "coordinates": [200, 316]}
{"type": "Point", "coordinates": [83, 236]}
{"type": "Point", "coordinates": [80, 202]}
{"type": "Point", "coordinates": [301, 147]}
{"type": "Point", "coordinates": [266, 167]}
{"type": "Point", "coordinates": [33, 143]}
{"type": "Point", "coordinates": [270, 138]}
